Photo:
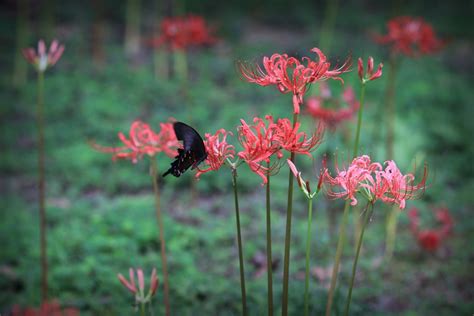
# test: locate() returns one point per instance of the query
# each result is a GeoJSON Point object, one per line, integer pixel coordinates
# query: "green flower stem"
{"type": "Point", "coordinates": [142, 309]}
{"type": "Point", "coordinates": [269, 248]}
{"type": "Point", "coordinates": [308, 244]}
{"type": "Point", "coordinates": [239, 242]}
{"type": "Point", "coordinates": [286, 264]}
{"type": "Point", "coordinates": [390, 106]}
{"type": "Point", "coordinates": [356, 259]}
{"type": "Point", "coordinates": [391, 227]}
{"type": "Point", "coordinates": [337, 261]}
{"type": "Point", "coordinates": [359, 121]}
{"type": "Point", "coordinates": [41, 186]}
{"type": "Point", "coordinates": [156, 190]}
{"type": "Point", "coordinates": [342, 228]}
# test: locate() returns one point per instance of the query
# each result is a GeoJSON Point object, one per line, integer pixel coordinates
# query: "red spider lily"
{"type": "Point", "coordinates": [182, 32]}
{"type": "Point", "coordinates": [370, 75]}
{"type": "Point", "coordinates": [410, 36]}
{"type": "Point", "coordinates": [388, 185]}
{"type": "Point", "coordinates": [260, 143]}
{"type": "Point", "coordinates": [289, 74]}
{"type": "Point", "coordinates": [430, 239]}
{"type": "Point", "coordinates": [43, 60]}
{"type": "Point", "coordinates": [218, 151]}
{"type": "Point", "coordinates": [144, 141]}
{"type": "Point", "coordinates": [332, 117]}
{"type": "Point", "coordinates": [139, 292]}
{"type": "Point", "coordinates": [51, 308]}
{"type": "Point", "coordinates": [290, 139]}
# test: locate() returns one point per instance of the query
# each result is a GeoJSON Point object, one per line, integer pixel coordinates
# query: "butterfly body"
{"type": "Point", "coordinates": [192, 153]}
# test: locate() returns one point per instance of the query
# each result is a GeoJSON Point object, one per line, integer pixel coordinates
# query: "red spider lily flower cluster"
{"type": "Point", "coordinates": [387, 184]}
{"type": "Point", "coordinates": [139, 292]}
{"type": "Point", "coordinates": [410, 36]}
{"type": "Point", "coordinates": [42, 60]}
{"type": "Point", "coordinates": [290, 74]}
{"type": "Point", "coordinates": [370, 74]}
{"type": "Point", "coordinates": [51, 308]}
{"type": "Point", "coordinates": [218, 151]}
{"type": "Point", "coordinates": [329, 116]}
{"type": "Point", "coordinates": [304, 185]}
{"type": "Point", "coordinates": [182, 32]}
{"type": "Point", "coordinates": [259, 142]}
{"type": "Point", "coordinates": [430, 239]}
{"type": "Point", "coordinates": [262, 140]}
{"type": "Point", "coordinates": [144, 141]}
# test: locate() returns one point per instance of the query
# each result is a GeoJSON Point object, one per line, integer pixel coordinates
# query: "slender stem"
{"type": "Point", "coordinates": [356, 259]}
{"type": "Point", "coordinates": [41, 186]}
{"type": "Point", "coordinates": [359, 121]}
{"type": "Point", "coordinates": [142, 309]}
{"type": "Point", "coordinates": [390, 107]}
{"type": "Point", "coordinates": [156, 190]}
{"type": "Point", "coordinates": [269, 248]}
{"type": "Point", "coordinates": [337, 261]}
{"type": "Point", "coordinates": [308, 244]}
{"type": "Point", "coordinates": [392, 222]}
{"type": "Point", "coordinates": [239, 242]}
{"type": "Point", "coordinates": [342, 228]}
{"type": "Point", "coordinates": [289, 209]}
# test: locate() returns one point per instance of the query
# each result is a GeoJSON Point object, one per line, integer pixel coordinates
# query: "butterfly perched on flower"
{"type": "Point", "coordinates": [192, 153]}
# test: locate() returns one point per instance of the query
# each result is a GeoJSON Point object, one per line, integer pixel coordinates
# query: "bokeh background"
{"type": "Point", "coordinates": [101, 213]}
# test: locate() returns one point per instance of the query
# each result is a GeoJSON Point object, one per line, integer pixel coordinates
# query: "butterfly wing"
{"type": "Point", "coordinates": [193, 152]}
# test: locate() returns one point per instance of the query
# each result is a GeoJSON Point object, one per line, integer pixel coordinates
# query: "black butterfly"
{"type": "Point", "coordinates": [193, 152]}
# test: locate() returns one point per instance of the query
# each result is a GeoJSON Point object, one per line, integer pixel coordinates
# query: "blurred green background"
{"type": "Point", "coordinates": [101, 213]}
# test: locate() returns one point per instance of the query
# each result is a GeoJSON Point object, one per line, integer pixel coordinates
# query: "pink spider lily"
{"type": "Point", "coordinates": [317, 106]}
{"type": "Point", "coordinates": [218, 151]}
{"type": "Point", "coordinates": [140, 296]}
{"type": "Point", "coordinates": [370, 74]}
{"type": "Point", "coordinates": [42, 59]}
{"type": "Point", "coordinates": [388, 185]}
{"type": "Point", "coordinates": [350, 180]}
{"type": "Point", "coordinates": [291, 75]}
{"type": "Point", "coordinates": [259, 142]}
{"type": "Point", "coordinates": [292, 140]}
{"type": "Point", "coordinates": [410, 36]}
{"type": "Point", "coordinates": [144, 141]}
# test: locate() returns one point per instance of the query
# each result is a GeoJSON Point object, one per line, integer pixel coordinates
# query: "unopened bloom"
{"type": "Point", "coordinates": [259, 142]}
{"type": "Point", "coordinates": [218, 151]}
{"type": "Point", "coordinates": [182, 32]}
{"type": "Point", "coordinates": [42, 59]}
{"type": "Point", "coordinates": [140, 296]}
{"type": "Point", "coordinates": [291, 75]}
{"type": "Point", "coordinates": [328, 108]}
{"type": "Point", "coordinates": [305, 185]}
{"type": "Point", "coordinates": [292, 140]}
{"type": "Point", "coordinates": [370, 74]}
{"type": "Point", "coordinates": [144, 141]}
{"type": "Point", "coordinates": [410, 36]}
